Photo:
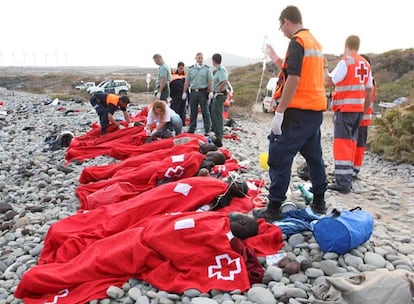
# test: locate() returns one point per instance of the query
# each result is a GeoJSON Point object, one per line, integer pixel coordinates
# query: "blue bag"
{"type": "Point", "coordinates": [343, 230]}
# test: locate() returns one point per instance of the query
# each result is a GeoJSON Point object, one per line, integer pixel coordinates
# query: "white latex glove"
{"type": "Point", "coordinates": [121, 127]}
{"type": "Point", "coordinates": [158, 96]}
{"type": "Point", "coordinates": [184, 97]}
{"type": "Point", "coordinates": [210, 95]}
{"type": "Point", "coordinates": [131, 124]}
{"type": "Point", "coordinates": [148, 132]}
{"type": "Point", "coordinates": [277, 123]}
{"type": "Point", "coordinates": [154, 131]}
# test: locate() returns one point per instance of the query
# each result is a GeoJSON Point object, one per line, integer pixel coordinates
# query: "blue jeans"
{"type": "Point", "coordinates": [102, 112]}
{"type": "Point", "coordinates": [300, 133]}
{"type": "Point", "coordinates": [176, 124]}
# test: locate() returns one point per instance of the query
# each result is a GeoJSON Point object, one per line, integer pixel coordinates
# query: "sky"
{"type": "Point", "coordinates": [130, 32]}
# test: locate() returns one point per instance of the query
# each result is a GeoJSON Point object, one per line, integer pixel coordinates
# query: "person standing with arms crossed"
{"type": "Point", "coordinates": [163, 79]}
{"type": "Point", "coordinates": [199, 80]}
{"type": "Point", "coordinates": [352, 79]}
{"type": "Point", "coordinates": [296, 124]}
{"type": "Point", "coordinates": [220, 86]}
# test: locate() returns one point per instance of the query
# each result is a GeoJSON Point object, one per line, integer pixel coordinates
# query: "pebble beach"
{"type": "Point", "coordinates": [37, 189]}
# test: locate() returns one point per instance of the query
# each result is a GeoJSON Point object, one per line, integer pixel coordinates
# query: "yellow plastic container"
{"type": "Point", "coordinates": [263, 160]}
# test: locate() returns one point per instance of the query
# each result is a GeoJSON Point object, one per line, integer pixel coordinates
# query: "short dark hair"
{"type": "Point", "coordinates": [291, 13]}
{"type": "Point", "coordinates": [366, 57]}
{"type": "Point", "coordinates": [217, 58]}
{"type": "Point", "coordinates": [124, 99]}
{"type": "Point", "coordinates": [180, 64]}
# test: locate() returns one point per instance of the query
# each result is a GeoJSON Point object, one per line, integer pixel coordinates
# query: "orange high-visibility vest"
{"type": "Point", "coordinates": [349, 95]}
{"type": "Point", "coordinates": [113, 99]}
{"type": "Point", "coordinates": [175, 76]}
{"type": "Point", "coordinates": [310, 94]}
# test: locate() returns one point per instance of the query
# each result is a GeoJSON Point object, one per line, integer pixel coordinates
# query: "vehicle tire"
{"type": "Point", "coordinates": [123, 93]}
{"type": "Point", "coordinates": [264, 108]}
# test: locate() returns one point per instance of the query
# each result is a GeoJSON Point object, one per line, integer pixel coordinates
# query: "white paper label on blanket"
{"type": "Point", "coordinates": [184, 189]}
{"type": "Point", "coordinates": [275, 258]}
{"type": "Point", "coordinates": [177, 158]}
{"type": "Point", "coordinates": [184, 224]}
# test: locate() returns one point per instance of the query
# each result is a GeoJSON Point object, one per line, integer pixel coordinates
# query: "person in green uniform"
{"type": "Point", "coordinates": [199, 80]}
{"type": "Point", "coordinates": [220, 87]}
{"type": "Point", "coordinates": [163, 79]}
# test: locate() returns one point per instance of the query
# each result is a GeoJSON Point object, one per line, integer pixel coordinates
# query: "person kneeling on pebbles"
{"type": "Point", "coordinates": [165, 120]}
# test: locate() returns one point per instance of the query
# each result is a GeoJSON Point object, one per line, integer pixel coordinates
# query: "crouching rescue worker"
{"type": "Point", "coordinates": [106, 105]}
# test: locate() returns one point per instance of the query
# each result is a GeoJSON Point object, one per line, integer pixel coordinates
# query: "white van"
{"type": "Point", "coordinates": [267, 103]}
{"type": "Point", "coordinates": [85, 85]}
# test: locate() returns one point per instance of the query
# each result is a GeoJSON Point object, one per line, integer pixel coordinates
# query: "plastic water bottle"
{"type": "Point", "coordinates": [264, 45]}
{"type": "Point", "coordinates": [265, 55]}
{"type": "Point", "coordinates": [304, 189]}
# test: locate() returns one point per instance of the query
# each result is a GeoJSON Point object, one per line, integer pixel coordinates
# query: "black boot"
{"type": "Point", "coordinates": [318, 203]}
{"type": "Point", "coordinates": [270, 213]}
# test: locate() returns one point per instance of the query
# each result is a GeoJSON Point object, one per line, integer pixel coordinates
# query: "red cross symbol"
{"type": "Point", "coordinates": [225, 268]}
{"type": "Point", "coordinates": [174, 172]}
{"type": "Point", "coordinates": [361, 71]}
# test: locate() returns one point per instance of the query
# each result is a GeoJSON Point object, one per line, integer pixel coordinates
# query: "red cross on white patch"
{"type": "Point", "coordinates": [361, 72]}
{"type": "Point", "coordinates": [175, 172]}
{"type": "Point", "coordinates": [225, 268]}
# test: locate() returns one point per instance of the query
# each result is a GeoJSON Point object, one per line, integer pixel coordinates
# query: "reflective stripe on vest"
{"type": "Point", "coordinates": [311, 93]}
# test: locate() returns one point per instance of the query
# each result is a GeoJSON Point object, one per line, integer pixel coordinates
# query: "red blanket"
{"type": "Point", "coordinates": [199, 257]}
{"type": "Point", "coordinates": [85, 149]}
{"type": "Point", "coordinates": [126, 150]}
{"type": "Point", "coordinates": [148, 175]}
{"type": "Point", "coordinates": [96, 173]}
{"type": "Point", "coordinates": [94, 137]}
{"type": "Point", "coordinates": [70, 236]}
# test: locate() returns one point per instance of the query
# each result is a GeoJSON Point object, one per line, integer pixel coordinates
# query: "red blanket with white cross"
{"type": "Point", "coordinates": [200, 256]}
{"type": "Point", "coordinates": [148, 175]}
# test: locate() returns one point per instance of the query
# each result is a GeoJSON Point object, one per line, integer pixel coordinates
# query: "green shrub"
{"type": "Point", "coordinates": [140, 86]}
{"type": "Point", "coordinates": [392, 136]}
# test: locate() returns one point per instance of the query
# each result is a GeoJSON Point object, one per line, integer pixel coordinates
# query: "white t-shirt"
{"type": "Point", "coordinates": [154, 118]}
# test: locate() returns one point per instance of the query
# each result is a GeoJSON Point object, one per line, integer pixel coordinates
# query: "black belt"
{"type": "Point", "coordinates": [199, 89]}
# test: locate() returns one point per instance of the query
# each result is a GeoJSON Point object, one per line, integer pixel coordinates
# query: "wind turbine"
{"type": "Point", "coordinates": [14, 58]}
{"type": "Point", "coordinates": [34, 58]}
{"type": "Point", "coordinates": [24, 57]}
{"type": "Point", "coordinates": [56, 58]}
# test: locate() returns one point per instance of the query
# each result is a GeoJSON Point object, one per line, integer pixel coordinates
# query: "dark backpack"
{"type": "Point", "coordinates": [63, 140]}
